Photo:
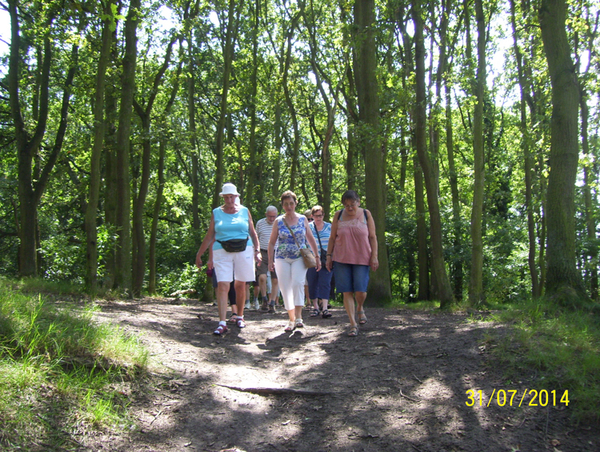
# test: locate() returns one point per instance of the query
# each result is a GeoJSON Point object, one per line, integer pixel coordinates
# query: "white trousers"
{"type": "Point", "coordinates": [291, 274]}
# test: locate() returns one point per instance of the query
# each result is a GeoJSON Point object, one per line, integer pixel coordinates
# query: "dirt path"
{"type": "Point", "coordinates": [399, 386]}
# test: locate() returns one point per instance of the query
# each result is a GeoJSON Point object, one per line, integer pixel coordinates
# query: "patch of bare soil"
{"type": "Point", "coordinates": [399, 386]}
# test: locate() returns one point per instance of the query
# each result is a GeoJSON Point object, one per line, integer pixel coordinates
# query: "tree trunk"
{"type": "Point", "coordinates": [253, 166]}
{"type": "Point", "coordinates": [290, 104]}
{"type": "Point", "coordinates": [424, 292]}
{"type": "Point", "coordinates": [476, 294]}
{"type": "Point", "coordinates": [139, 261]}
{"type": "Point", "coordinates": [525, 86]}
{"type": "Point", "coordinates": [563, 281]}
{"type": "Point", "coordinates": [32, 188]}
{"type": "Point", "coordinates": [123, 215]}
{"type": "Point", "coordinates": [590, 219]}
{"type": "Point", "coordinates": [365, 69]}
{"type": "Point", "coordinates": [160, 186]}
{"type": "Point", "coordinates": [91, 212]}
{"type": "Point", "coordinates": [439, 274]}
{"type": "Point", "coordinates": [228, 53]}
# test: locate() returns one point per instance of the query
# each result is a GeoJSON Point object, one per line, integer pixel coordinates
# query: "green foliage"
{"type": "Point", "coordinates": [554, 350]}
{"type": "Point", "coordinates": [59, 366]}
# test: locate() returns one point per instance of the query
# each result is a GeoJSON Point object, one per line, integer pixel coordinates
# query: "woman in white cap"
{"type": "Point", "coordinates": [235, 247]}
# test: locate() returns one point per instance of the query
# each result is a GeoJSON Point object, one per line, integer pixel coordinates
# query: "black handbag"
{"type": "Point", "coordinates": [235, 245]}
{"type": "Point", "coordinates": [323, 253]}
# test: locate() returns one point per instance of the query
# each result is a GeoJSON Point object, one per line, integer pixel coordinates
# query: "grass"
{"type": "Point", "coordinates": [557, 349]}
{"type": "Point", "coordinates": [61, 374]}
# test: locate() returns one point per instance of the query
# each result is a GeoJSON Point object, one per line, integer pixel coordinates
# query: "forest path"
{"type": "Point", "coordinates": [401, 385]}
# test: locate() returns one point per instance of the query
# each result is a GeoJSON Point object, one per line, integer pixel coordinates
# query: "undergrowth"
{"type": "Point", "coordinates": [559, 349]}
{"type": "Point", "coordinates": [61, 374]}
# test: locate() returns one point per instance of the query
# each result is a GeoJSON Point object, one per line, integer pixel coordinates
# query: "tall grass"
{"type": "Point", "coordinates": [559, 349]}
{"type": "Point", "coordinates": [61, 374]}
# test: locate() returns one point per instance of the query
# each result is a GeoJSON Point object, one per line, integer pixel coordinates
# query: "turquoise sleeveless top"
{"type": "Point", "coordinates": [230, 226]}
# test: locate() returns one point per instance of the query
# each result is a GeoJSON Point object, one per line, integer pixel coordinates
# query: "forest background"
{"type": "Point", "coordinates": [469, 128]}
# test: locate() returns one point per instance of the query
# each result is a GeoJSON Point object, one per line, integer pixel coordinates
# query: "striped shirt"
{"type": "Point", "coordinates": [263, 229]}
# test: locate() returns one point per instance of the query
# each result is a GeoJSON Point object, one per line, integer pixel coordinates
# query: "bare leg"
{"type": "Point", "coordinates": [360, 300]}
{"type": "Point", "coordinates": [240, 297]}
{"type": "Point", "coordinates": [274, 290]}
{"type": "Point", "coordinates": [262, 283]}
{"type": "Point", "coordinates": [298, 312]}
{"type": "Point", "coordinates": [222, 299]}
{"type": "Point", "coordinates": [350, 309]}
{"type": "Point", "coordinates": [292, 315]}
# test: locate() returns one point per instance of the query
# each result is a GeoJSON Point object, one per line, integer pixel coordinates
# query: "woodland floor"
{"type": "Point", "coordinates": [399, 386]}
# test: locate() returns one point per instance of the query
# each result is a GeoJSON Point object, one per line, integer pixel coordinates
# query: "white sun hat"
{"type": "Point", "coordinates": [229, 189]}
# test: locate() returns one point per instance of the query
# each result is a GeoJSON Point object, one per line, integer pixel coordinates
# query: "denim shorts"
{"type": "Point", "coordinates": [350, 277]}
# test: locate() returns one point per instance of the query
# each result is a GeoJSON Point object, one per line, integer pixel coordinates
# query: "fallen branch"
{"type": "Point", "coordinates": [156, 417]}
{"type": "Point", "coordinates": [409, 398]}
{"type": "Point", "coordinates": [277, 391]}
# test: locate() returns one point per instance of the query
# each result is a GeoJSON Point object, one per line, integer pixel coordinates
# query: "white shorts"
{"type": "Point", "coordinates": [238, 266]}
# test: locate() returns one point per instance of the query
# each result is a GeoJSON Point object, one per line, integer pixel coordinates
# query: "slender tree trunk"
{"type": "Point", "coordinates": [253, 166]}
{"type": "Point", "coordinates": [476, 294]}
{"type": "Point", "coordinates": [524, 85]}
{"type": "Point", "coordinates": [352, 124]}
{"type": "Point", "coordinates": [290, 104]}
{"type": "Point", "coordinates": [365, 68]}
{"type": "Point", "coordinates": [457, 265]}
{"type": "Point", "coordinates": [439, 274]}
{"type": "Point", "coordinates": [228, 53]}
{"type": "Point", "coordinates": [91, 212]}
{"type": "Point", "coordinates": [123, 214]}
{"type": "Point", "coordinates": [424, 290]}
{"type": "Point", "coordinates": [160, 186]}
{"type": "Point", "coordinates": [139, 238]}
{"type": "Point", "coordinates": [590, 219]}
{"type": "Point", "coordinates": [563, 281]}
{"type": "Point", "coordinates": [275, 193]}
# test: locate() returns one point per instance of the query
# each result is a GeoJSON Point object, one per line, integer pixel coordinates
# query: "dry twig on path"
{"type": "Point", "coordinates": [277, 391]}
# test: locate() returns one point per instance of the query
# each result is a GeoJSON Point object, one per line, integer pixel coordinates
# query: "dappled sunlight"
{"type": "Point", "coordinates": [399, 385]}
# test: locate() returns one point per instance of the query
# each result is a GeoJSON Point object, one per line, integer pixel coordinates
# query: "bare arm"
{"type": "Point", "coordinates": [254, 237]}
{"type": "Point", "coordinates": [312, 242]}
{"type": "Point", "coordinates": [373, 240]}
{"type": "Point", "coordinates": [331, 245]}
{"type": "Point", "coordinates": [271, 247]}
{"type": "Point", "coordinates": [209, 239]}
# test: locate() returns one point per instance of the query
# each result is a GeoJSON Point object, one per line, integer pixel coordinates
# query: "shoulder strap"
{"type": "Point", "coordinates": [318, 236]}
{"type": "Point", "coordinates": [290, 229]}
{"type": "Point", "coordinates": [340, 214]}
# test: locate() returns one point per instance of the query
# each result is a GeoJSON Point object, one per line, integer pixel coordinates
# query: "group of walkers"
{"type": "Point", "coordinates": [345, 249]}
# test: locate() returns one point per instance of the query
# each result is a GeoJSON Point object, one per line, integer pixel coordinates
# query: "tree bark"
{"type": "Point", "coordinates": [476, 294]}
{"type": "Point", "coordinates": [123, 214]}
{"type": "Point", "coordinates": [32, 188]}
{"type": "Point", "coordinates": [563, 282]}
{"type": "Point", "coordinates": [139, 261]}
{"type": "Point", "coordinates": [525, 87]}
{"type": "Point", "coordinates": [439, 275]}
{"type": "Point", "coordinates": [91, 212]}
{"type": "Point", "coordinates": [365, 72]}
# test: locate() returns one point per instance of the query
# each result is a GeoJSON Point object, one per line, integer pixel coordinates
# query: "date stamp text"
{"type": "Point", "coordinates": [518, 398]}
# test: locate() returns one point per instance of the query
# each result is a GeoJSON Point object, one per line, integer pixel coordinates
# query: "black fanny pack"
{"type": "Point", "coordinates": [235, 245]}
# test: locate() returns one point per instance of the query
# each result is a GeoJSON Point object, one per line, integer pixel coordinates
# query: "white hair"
{"type": "Point", "coordinates": [271, 209]}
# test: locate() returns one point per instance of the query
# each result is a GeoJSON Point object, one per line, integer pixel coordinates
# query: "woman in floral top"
{"type": "Point", "coordinates": [285, 258]}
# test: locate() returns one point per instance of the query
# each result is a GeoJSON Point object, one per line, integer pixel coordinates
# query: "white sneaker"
{"type": "Point", "coordinates": [247, 304]}
{"type": "Point", "coordinates": [256, 305]}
